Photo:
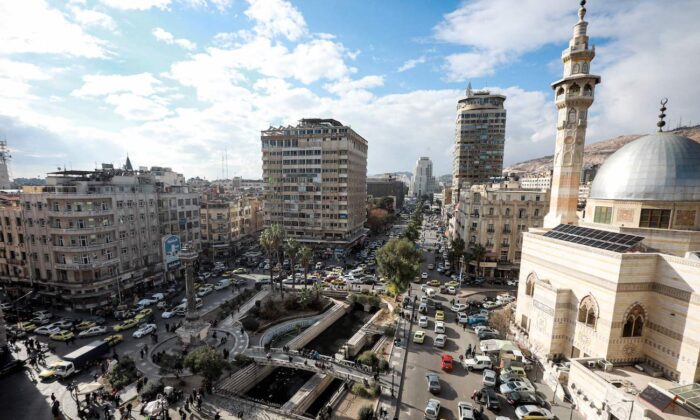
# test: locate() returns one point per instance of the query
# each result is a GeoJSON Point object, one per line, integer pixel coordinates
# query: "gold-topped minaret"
{"type": "Point", "coordinates": [574, 94]}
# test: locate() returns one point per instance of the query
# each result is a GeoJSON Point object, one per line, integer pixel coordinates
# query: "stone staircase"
{"type": "Point", "coordinates": [244, 379]}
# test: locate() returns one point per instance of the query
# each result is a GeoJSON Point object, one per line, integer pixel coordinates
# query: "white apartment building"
{"type": "Point", "coordinates": [536, 181]}
{"type": "Point", "coordinates": [316, 176]}
{"type": "Point", "coordinates": [423, 182]}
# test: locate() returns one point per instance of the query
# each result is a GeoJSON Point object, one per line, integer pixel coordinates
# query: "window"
{"type": "Point", "coordinates": [634, 322]}
{"type": "Point", "coordinates": [588, 311]}
{"type": "Point", "coordinates": [602, 214]}
{"type": "Point", "coordinates": [530, 284]}
{"type": "Point", "coordinates": [655, 218]}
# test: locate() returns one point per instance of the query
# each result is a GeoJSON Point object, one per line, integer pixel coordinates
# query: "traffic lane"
{"type": "Point", "coordinates": [132, 345]}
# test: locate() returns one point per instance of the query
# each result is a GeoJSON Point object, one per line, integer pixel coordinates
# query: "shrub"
{"type": "Point", "coordinates": [123, 373]}
{"type": "Point", "coordinates": [171, 363]}
{"type": "Point", "coordinates": [359, 390]}
{"type": "Point", "coordinates": [368, 358]}
{"type": "Point", "coordinates": [383, 365]}
{"type": "Point", "coordinates": [389, 330]}
{"type": "Point", "coordinates": [366, 413]}
{"type": "Point", "coordinates": [205, 361]}
{"type": "Point", "coordinates": [250, 324]}
{"type": "Point", "coordinates": [150, 391]}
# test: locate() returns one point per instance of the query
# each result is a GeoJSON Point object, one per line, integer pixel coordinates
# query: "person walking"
{"type": "Point", "coordinates": [128, 410]}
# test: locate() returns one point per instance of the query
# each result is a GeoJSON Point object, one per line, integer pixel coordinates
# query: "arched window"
{"type": "Point", "coordinates": [587, 90]}
{"type": "Point", "coordinates": [507, 212]}
{"type": "Point", "coordinates": [521, 213]}
{"type": "Point", "coordinates": [588, 311]}
{"type": "Point", "coordinates": [575, 89]}
{"type": "Point", "coordinates": [571, 116]}
{"type": "Point", "coordinates": [537, 212]}
{"type": "Point", "coordinates": [634, 321]}
{"type": "Point", "coordinates": [530, 284]}
{"type": "Point", "coordinates": [575, 68]}
{"type": "Point", "coordinates": [560, 92]}
{"type": "Point", "coordinates": [584, 67]}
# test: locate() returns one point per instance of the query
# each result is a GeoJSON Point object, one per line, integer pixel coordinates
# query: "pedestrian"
{"type": "Point", "coordinates": [145, 348]}
{"type": "Point", "coordinates": [183, 416]}
{"type": "Point", "coordinates": [128, 410]}
{"type": "Point", "coordinates": [141, 352]}
{"type": "Point", "coordinates": [53, 397]}
{"type": "Point", "coordinates": [167, 327]}
{"type": "Point", "coordinates": [106, 411]}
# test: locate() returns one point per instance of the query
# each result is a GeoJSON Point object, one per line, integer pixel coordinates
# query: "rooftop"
{"type": "Point", "coordinates": [627, 379]}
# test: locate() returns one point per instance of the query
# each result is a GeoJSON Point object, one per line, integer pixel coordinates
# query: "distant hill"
{"type": "Point", "coordinates": [595, 153]}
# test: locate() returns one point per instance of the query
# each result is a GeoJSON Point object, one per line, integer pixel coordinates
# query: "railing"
{"type": "Point", "coordinates": [86, 213]}
{"type": "Point", "coordinates": [87, 266]}
{"type": "Point", "coordinates": [84, 230]}
{"type": "Point", "coordinates": [86, 248]}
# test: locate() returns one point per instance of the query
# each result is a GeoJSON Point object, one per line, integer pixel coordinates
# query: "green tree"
{"type": "Point", "coordinates": [478, 252]}
{"type": "Point", "coordinates": [205, 361]}
{"type": "Point", "coordinates": [457, 246]}
{"type": "Point", "coordinates": [306, 255]}
{"type": "Point", "coordinates": [291, 250]}
{"type": "Point", "coordinates": [271, 239]}
{"type": "Point", "coordinates": [399, 261]}
{"type": "Point", "coordinates": [369, 358]}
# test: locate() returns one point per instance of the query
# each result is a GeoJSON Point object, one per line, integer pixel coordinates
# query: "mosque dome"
{"type": "Point", "coordinates": [659, 167]}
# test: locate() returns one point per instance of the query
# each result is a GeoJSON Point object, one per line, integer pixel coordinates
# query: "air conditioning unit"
{"type": "Point", "coordinates": [590, 364]}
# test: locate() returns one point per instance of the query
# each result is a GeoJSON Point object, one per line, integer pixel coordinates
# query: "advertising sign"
{"type": "Point", "coordinates": [171, 251]}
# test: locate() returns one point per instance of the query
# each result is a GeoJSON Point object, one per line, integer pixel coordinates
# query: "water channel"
{"type": "Point", "coordinates": [279, 386]}
{"type": "Point", "coordinates": [333, 338]}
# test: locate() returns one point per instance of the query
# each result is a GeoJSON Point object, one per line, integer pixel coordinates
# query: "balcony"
{"type": "Point", "coordinates": [85, 213]}
{"type": "Point", "coordinates": [87, 248]}
{"type": "Point", "coordinates": [506, 230]}
{"type": "Point", "coordinates": [81, 231]}
{"type": "Point", "coordinates": [490, 230]}
{"type": "Point", "coordinates": [88, 266]}
{"type": "Point", "coordinates": [504, 245]}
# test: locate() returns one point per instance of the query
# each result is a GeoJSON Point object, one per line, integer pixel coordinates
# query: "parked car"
{"type": "Point", "coordinates": [423, 308]}
{"type": "Point", "coordinates": [518, 398]}
{"type": "Point", "coordinates": [488, 335]}
{"type": "Point", "coordinates": [423, 321]}
{"type": "Point", "coordinates": [477, 319]}
{"type": "Point", "coordinates": [432, 409]}
{"type": "Point", "coordinates": [433, 382]}
{"type": "Point", "coordinates": [465, 411]}
{"type": "Point", "coordinates": [63, 335]}
{"type": "Point", "coordinates": [84, 325]}
{"type": "Point", "coordinates": [489, 398]}
{"type": "Point", "coordinates": [424, 275]}
{"type": "Point", "coordinates": [38, 320]}
{"type": "Point", "coordinates": [446, 362]}
{"type": "Point", "coordinates": [462, 318]}
{"type": "Point", "coordinates": [459, 307]}
{"type": "Point", "coordinates": [146, 302]}
{"type": "Point", "coordinates": [419, 337]}
{"type": "Point", "coordinates": [144, 330]}
{"type": "Point", "coordinates": [91, 332]}
{"type": "Point", "coordinates": [440, 327]}
{"type": "Point", "coordinates": [489, 378]}
{"type": "Point", "coordinates": [439, 315]}
{"type": "Point", "coordinates": [47, 330]}
{"type": "Point", "coordinates": [222, 284]}
{"type": "Point", "coordinates": [533, 411]}
{"type": "Point", "coordinates": [43, 314]}
{"type": "Point", "coordinates": [516, 386]}
{"type": "Point", "coordinates": [203, 291]}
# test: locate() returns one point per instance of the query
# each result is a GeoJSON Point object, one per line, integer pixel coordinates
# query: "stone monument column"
{"type": "Point", "coordinates": [188, 257]}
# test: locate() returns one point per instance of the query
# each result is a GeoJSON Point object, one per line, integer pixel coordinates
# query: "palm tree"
{"type": "Point", "coordinates": [291, 250]}
{"type": "Point", "coordinates": [306, 254]}
{"type": "Point", "coordinates": [477, 254]}
{"type": "Point", "coordinates": [271, 239]}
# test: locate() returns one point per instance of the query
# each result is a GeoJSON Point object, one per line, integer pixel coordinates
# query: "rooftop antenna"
{"type": "Point", "coordinates": [662, 115]}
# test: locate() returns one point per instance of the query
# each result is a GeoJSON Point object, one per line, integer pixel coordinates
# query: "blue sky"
{"type": "Point", "coordinates": [177, 82]}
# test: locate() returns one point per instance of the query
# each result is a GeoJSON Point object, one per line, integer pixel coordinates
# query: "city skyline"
{"type": "Point", "coordinates": [177, 83]}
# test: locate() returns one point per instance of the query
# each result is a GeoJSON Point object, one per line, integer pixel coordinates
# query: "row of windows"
{"type": "Point", "coordinates": [649, 218]}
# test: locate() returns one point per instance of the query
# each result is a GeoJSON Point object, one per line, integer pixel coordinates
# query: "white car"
{"type": "Point", "coordinates": [47, 330]}
{"type": "Point", "coordinates": [146, 302]}
{"type": "Point", "coordinates": [462, 318]}
{"type": "Point", "coordinates": [516, 386]}
{"type": "Point", "coordinates": [423, 321]}
{"type": "Point", "coordinates": [459, 307]}
{"type": "Point", "coordinates": [466, 411]}
{"type": "Point", "coordinates": [533, 411]}
{"type": "Point", "coordinates": [63, 324]}
{"type": "Point", "coordinates": [440, 340]}
{"type": "Point", "coordinates": [440, 327]}
{"type": "Point", "coordinates": [144, 330]}
{"type": "Point", "coordinates": [512, 282]}
{"type": "Point", "coordinates": [451, 291]}
{"type": "Point", "coordinates": [492, 305]}
{"type": "Point", "coordinates": [168, 314]}
{"type": "Point", "coordinates": [203, 291]}
{"type": "Point", "coordinates": [432, 409]}
{"type": "Point", "coordinates": [489, 378]}
{"type": "Point", "coordinates": [484, 328]}
{"type": "Point", "coordinates": [93, 331]}
{"type": "Point", "coordinates": [478, 362]}
{"type": "Point", "coordinates": [424, 276]}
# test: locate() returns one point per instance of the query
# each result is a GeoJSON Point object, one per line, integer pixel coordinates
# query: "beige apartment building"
{"type": "Point", "coordinates": [617, 293]}
{"type": "Point", "coordinates": [316, 176]}
{"type": "Point", "coordinates": [495, 216]}
{"type": "Point", "coordinates": [14, 260]}
{"type": "Point", "coordinates": [93, 237]}
{"type": "Point", "coordinates": [225, 222]}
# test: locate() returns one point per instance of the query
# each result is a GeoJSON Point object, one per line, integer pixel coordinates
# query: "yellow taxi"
{"type": "Point", "coordinates": [125, 325]}
{"type": "Point", "coordinates": [146, 311]}
{"type": "Point", "coordinates": [85, 325]}
{"type": "Point", "coordinates": [63, 335]}
{"type": "Point", "coordinates": [434, 283]}
{"type": "Point", "coordinates": [26, 326]}
{"type": "Point", "coordinates": [439, 315]}
{"type": "Point", "coordinates": [419, 337]}
{"type": "Point", "coordinates": [452, 283]}
{"type": "Point", "coordinates": [115, 339]}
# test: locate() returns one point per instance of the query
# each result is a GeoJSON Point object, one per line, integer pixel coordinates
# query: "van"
{"type": "Point", "coordinates": [158, 297]}
{"type": "Point", "coordinates": [430, 292]}
{"type": "Point", "coordinates": [222, 284]}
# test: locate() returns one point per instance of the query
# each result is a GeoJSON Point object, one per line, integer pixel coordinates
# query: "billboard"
{"type": "Point", "coordinates": [171, 251]}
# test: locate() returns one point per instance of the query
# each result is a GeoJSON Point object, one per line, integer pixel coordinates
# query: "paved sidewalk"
{"type": "Point", "coordinates": [388, 400]}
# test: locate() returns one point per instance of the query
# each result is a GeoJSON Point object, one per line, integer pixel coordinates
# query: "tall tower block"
{"type": "Point", "coordinates": [573, 96]}
{"type": "Point", "coordinates": [4, 172]}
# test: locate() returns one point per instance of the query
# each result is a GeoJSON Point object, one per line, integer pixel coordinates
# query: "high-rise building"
{"type": "Point", "coordinates": [573, 96]}
{"type": "Point", "coordinates": [423, 182]}
{"type": "Point", "coordinates": [90, 238]}
{"type": "Point", "coordinates": [387, 186]}
{"type": "Point", "coordinates": [4, 171]}
{"type": "Point", "coordinates": [479, 139]}
{"type": "Point", "coordinates": [316, 175]}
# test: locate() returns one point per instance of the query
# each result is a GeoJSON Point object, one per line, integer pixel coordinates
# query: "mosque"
{"type": "Point", "coordinates": [609, 300]}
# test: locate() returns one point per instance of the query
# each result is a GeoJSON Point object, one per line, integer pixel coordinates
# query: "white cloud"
{"type": "Point", "coordinates": [168, 38]}
{"type": "Point", "coordinates": [32, 26]}
{"type": "Point", "coordinates": [276, 17]}
{"type": "Point", "coordinates": [345, 86]}
{"type": "Point", "coordinates": [462, 66]}
{"type": "Point", "coordinates": [221, 5]}
{"type": "Point", "coordinates": [137, 107]}
{"type": "Point", "coordinates": [92, 18]}
{"type": "Point", "coordinates": [143, 84]}
{"type": "Point", "coordinates": [137, 4]}
{"type": "Point", "coordinates": [409, 64]}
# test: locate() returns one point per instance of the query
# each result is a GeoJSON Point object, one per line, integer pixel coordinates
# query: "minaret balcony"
{"type": "Point", "coordinates": [574, 99]}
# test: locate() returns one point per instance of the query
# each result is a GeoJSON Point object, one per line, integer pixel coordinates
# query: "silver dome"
{"type": "Point", "coordinates": [659, 167]}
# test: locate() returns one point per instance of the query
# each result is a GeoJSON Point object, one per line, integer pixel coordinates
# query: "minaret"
{"type": "Point", "coordinates": [4, 161]}
{"type": "Point", "coordinates": [573, 97]}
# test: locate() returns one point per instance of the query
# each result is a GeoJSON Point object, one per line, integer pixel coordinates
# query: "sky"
{"type": "Point", "coordinates": [177, 82]}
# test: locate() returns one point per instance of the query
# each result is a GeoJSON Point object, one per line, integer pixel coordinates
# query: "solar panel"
{"type": "Point", "coordinates": [596, 238]}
